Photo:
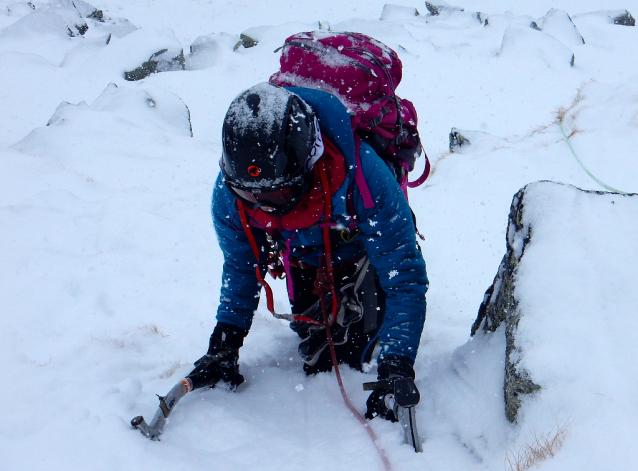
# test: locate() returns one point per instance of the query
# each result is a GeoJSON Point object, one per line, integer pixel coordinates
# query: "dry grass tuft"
{"type": "Point", "coordinates": [153, 329]}
{"type": "Point", "coordinates": [575, 131]}
{"type": "Point", "coordinates": [109, 338]}
{"type": "Point", "coordinates": [542, 447]}
{"type": "Point", "coordinates": [538, 129]}
{"type": "Point", "coordinates": [560, 114]}
{"type": "Point", "coordinates": [172, 370]}
{"type": "Point", "coordinates": [434, 162]}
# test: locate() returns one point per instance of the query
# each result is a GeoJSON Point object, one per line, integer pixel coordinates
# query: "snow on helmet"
{"type": "Point", "coordinates": [271, 141]}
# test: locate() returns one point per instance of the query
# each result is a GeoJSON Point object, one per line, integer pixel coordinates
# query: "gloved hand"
{"type": "Point", "coordinates": [221, 361]}
{"type": "Point", "coordinates": [381, 401]}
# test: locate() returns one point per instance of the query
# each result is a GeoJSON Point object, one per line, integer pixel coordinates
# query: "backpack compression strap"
{"type": "Point", "coordinates": [426, 172]}
{"type": "Point", "coordinates": [358, 174]}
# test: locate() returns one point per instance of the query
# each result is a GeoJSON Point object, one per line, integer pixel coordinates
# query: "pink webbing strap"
{"type": "Point", "coordinates": [327, 214]}
{"type": "Point", "coordinates": [358, 175]}
{"type": "Point", "coordinates": [253, 245]}
{"type": "Point", "coordinates": [286, 260]}
{"type": "Point", "coordinates": [424, 175]}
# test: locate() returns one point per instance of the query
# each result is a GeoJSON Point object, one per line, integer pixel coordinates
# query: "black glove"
{"type": "Point", "coordinates": [221, 361]}
{"type": "Point", "coordinates": [394, 373]}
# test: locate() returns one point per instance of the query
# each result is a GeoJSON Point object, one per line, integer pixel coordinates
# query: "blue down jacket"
{"type": "Point", "coordinates": [388, 238]}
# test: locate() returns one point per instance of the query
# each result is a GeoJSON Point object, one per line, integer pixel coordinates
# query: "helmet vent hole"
{"type": "Point", "coordinates": [253, 101]}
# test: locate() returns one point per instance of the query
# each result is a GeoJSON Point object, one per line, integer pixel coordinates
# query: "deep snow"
{"type": "Point", "coordinates": [110, 269]}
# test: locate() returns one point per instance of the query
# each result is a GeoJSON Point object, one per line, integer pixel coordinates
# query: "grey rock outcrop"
{"type": "Point", "coordinates": [500, 306]}
{"type": "Point", "coordinates": [439, 7]}
{"type": "Point", "coordinates": [625, 19]}
{"type": "Point", "coordinates": [164, 60]}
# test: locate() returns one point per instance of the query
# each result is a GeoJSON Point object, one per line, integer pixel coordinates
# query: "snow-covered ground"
{"type": "Point", "coordinates": [110, 271]}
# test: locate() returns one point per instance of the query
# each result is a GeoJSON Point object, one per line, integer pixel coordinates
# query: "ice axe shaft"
{"type": "Point", "coordinates": [207, 373]}
{"type": "Point", "coordinates": [403, 402]}
{"type": "Point", "coordinates": [167, 403]}
{"type": "Point", "coordinates": [407, 419]}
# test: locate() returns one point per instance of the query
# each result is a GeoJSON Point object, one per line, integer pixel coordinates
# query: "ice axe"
{"type": "Point", "coordinates": [167, 403]}
{"type": "Point", "coordinates": [207, 373]}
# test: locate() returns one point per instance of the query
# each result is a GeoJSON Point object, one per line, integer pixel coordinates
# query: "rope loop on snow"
{"type": "Point", "coordinates": [591, 175]}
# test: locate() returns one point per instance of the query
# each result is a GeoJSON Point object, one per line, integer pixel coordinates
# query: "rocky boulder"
{"type": "Point", "coordinates": [561, 242]}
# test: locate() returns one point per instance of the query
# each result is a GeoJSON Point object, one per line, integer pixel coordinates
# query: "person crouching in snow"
{"type": "Point", "coordinates": [288, 191]}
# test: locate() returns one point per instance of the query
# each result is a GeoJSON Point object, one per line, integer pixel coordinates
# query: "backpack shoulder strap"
{"type": "Point", "coordinates": [358, 175]}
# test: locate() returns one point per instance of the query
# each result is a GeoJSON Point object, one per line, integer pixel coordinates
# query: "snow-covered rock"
{"type": "Point", "coordinates": [118, 109]}
{"type": "Point", "coordinates": [395, 12]}
{"type": "Point", "coordinates": [462, 141]}
{"type": "Point", "coordinates": [537, 47]}
{"type": "Point", "coordinates": [559, 24]}
{"type": "Point", "coordinates": [57, 18]}
{"type": "Point", "coordinates": [167, 54]}
{"type": "Point", "coordinates": [562, 296]}
{"type": "Point", "coordinates": [207, 50]}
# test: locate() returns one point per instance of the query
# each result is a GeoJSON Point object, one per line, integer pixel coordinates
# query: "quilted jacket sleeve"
{"type": "Point", "coordinates": [240, 289]}
{"type": "Point", "coordinates": [390, 242]}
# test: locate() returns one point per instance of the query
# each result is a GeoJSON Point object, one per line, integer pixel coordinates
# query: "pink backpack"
{"type": "Point", "coordinates": [363, 73]}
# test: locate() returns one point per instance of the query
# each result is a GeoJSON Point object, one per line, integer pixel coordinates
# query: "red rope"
{"type": "Point", "coordinates": [328, 320]}
{"type": "Point", "coordinates": [346, 399]}
{"type": "Point", "coordinates": [253, 245]}
{"type": "Point", "coordinates": [327, 214]}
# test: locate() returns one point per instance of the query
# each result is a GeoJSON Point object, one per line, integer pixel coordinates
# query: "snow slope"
{"type": "Point", "coordinates": [110, 270]}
